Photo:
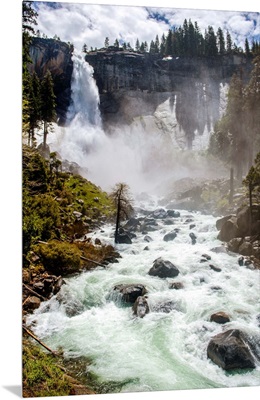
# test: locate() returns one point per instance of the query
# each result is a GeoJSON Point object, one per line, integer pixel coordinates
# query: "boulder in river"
{"type": "Point", "coordinates": [169, 236]}
{"type": "Point", "coordinates": [231, 350]}
{"type": "Point", "coordinates": [130, 292]}
{"type": "Point", "coordinates": [173, 214]}
{"type": "Point", "coordinates": [141, 307]}
{"type": "Point", "coordinates": [124, 238]}
{"type": "Point", "coordinates": [220, 317]}
{"type": "Point", "coordinates": [163, 269]}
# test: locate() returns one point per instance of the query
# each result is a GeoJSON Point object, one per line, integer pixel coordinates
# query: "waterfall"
{"type": "Point", "coordinates": [84, 132]}
{"type": "Point", "coordinates": [106, 159]}
{"type": "Point", "coordinates": [138, 154]}
{"type": "Point", "coordinates": [85, 96]}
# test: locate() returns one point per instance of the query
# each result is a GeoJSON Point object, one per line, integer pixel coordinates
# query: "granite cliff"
{"type": "Point", "coordinates": [184, 96]}
{"type": "Point", "coordinates": [178, 97]}
{"type": "Point", "coordinates": [56, 56]}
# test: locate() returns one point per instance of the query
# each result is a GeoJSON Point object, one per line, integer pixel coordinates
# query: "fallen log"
{"type": "Point", "coordinates": [38, 340]}
{"type": "Point", "coordinates": [95, 262]}
{"type": "Point", "coordinates": [35, 293]}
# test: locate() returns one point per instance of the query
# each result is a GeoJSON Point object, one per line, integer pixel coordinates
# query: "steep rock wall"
{"type": "Point", "coordinates": [56, 56]}
{"type": "Point", "coordinates": [185, 96]}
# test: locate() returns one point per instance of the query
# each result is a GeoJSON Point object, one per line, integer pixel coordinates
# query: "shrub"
{"type": "Point", "coordinates": [59, 257]}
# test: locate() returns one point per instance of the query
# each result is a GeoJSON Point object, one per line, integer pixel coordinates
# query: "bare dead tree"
{"type": "Point", "coordinates": [123, 201]}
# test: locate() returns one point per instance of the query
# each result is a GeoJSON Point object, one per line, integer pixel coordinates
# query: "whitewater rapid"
{"type": "Point", "coordinates": [163, 350]}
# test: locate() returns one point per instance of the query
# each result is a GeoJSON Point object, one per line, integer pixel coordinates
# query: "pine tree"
{"type": "Point", "coordinates": [252, 110]}
{"type": "Point", "coordinates": [106, 43]}
{"type": "Point", "coordinates": [228, 43]}
{"type": "Point", "coordinates": [156, 44]}
{"type": "Point", "coordinates": [48, 105]}
{"type": "Point", "coordinates": [137, 45]}
{"type": "Point", "coordinates": [247, 48]}
{"type": "Point", "coordinates": [211, 49]}
{"type": "Point", "coordinates": [221, 41]}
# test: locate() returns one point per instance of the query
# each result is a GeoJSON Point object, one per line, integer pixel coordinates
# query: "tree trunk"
{"type": "Point", "coordinates": [231, 192]}
{"type": "Point", "coordinates": [118, 217]}
{"type": "Point", "coordinates": [44, 134]}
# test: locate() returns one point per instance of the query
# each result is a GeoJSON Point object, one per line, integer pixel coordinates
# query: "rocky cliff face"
{"type": "Point", "coordinates": [56, 56]}
{"type": "Point", "coordinates": [180, 97]}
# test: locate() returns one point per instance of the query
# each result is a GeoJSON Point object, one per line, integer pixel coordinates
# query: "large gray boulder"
{"type": "Point", "coordinates": [130, 292]}
{"type": "Point", "coordinates": [163, 269]}
{"type": "Point", "coordinates": [169, 236]}
{"type": "Point", "coordinates": [231, 350]}
{"type": "Point", "coordinates": [229, 230]}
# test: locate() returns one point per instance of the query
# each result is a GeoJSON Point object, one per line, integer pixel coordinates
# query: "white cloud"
{"type": "Point", "coordinates": [92, 23]}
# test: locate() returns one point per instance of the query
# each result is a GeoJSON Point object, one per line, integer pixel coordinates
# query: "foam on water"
{"type": "Point", "coordinates": [162, 351]}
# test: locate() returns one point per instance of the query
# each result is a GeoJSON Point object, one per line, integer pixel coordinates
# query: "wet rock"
{"type": "Point", "coordinates": [98, 241]}
{"type": "Point", "coordinates": [176, 285]}
{"type": "Point", "coordinates": [220, 222]}
{"type": "Point", "coordinates": [132, 224]}
{"type": "Point", "coordinates": [192, 226]}
{"type": "Point", "coordinates": [219, 249]}
{"type": "Point", "coordinates": [170, 236]}
{"type": "Point", "coordinates": [168, 222]}
{"type": "Point", "coordinates": [241, 261]}
{"type": "Point", "coordinates": [206, 256]}
{"type": "Point", "coordinates": [165, 307]}
{"type": "Point", "coordinates": [229, 230]}
{"type": "Point", "coordinates": [231, 350]}
{"type": "Point", "coordinates": [160, 213]}
{"type": "Point", "coordinates": [146, 248]}
{"type": "Point", "coordinates": [32, 303]}
{"type": "Point", "coordinates": [246, 249]}
{"type": "Point", "coordinates": [214, 268]}
{"type": "Point", "coordinates": [72, 305]}
{"type": "Point", "coordinates": [148, 238]}
{"type": "Point", "coordinates": [141, 307]}
{"type": "Point", "coordinates": [173, 214]}
{"type": "Point", "coordinates": [220, 317]}
{"type": "Point", "coordinates": [233, 244]}
{"type": "Point", "coordinates": [163, 269]}
{"type": "Point", "coordinates": [123, 238]}
{"type": "Point", "coordinates": [193, 238]}
{"type": "Point", "coordinates": [148, 228]}
{"type": "Point", "coordinates": [130, 292]}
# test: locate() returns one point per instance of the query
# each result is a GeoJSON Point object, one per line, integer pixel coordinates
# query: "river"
{"type": "Point", "coordinates": [167, 349]}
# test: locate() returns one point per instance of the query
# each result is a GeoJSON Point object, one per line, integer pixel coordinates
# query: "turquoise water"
{"type": "Point", "coordinates": [162, 351]}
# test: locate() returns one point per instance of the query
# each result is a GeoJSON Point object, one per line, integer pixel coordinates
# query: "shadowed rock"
{"type": "Point", "coordinates": [163, 269]}
{"type": "Point", "coordinates": [230, 350]}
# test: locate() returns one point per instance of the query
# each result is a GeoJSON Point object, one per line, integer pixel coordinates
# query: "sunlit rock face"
{"type": "Point", "coordinates": [54, 55]}
{"type": "Point", "coordinates": [181, 97]}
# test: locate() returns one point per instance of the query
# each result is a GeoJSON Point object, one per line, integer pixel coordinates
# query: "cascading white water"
{"type": "Point", "coordinates": [162, 351]}
{"type": "Point", "coordinates": [107, 159]}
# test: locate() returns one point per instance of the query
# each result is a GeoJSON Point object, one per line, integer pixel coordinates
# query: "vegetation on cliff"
{"type": "Point", "coordinates": [236, 136]}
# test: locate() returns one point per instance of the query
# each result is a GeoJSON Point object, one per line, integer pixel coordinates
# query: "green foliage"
{"type": "Point", "coordinates": [41, 219]}
{"type": "Point", "coordinates": [58, 257]}
{"type": "Point", "coordinates": [41, 375]}
{"type": "Point", "coordinates": [35, 171]}
{"type": "Point", "coordinates": [236, 135]}
{"type": "Point", "coordinates": [50, 197]}
{"type": "Point", "coordinates": [92, 199]}
{"type": "Point", "coordinates": [253, 176]}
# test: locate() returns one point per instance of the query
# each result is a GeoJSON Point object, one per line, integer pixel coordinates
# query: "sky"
{"type": "Point", "coordinates": [81, 23]}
